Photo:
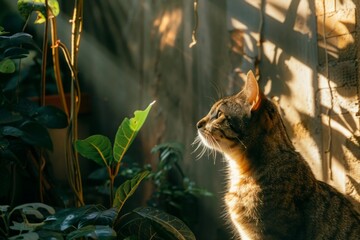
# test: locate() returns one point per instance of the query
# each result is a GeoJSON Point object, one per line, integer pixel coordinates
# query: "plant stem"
{"type": "Point", "coordinates": [112, 179]}
{"type": "Point", "coordinates": [44, 57]}
{"type": "Point", "coordinates": [55, 56]}
{"type": "Point", "coordinates": [73, 159]}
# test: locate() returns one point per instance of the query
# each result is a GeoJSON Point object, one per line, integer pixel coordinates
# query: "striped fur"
{"type": "Point", "coordinates": [272, 193]}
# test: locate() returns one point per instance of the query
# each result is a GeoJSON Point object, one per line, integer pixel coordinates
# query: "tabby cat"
{"type": "Point", "coordinates": [272, 193]}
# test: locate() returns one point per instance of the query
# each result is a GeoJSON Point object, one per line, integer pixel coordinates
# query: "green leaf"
{"type": "Point", "coordinates": [7, 66]}
{"type": "Point", "coordinates": [36, 134]}
{"type": "Point", "coordinates": [93, 232]}
{"type": "Point", "coordinates": [33, 210]}
{"type": "Point", "coordinates": [168, 223]}
{"type": "Point", "coordinates": [27, 236]}
{"type": "Point", "coordinates": [26, 7]}
{"type": "Point", "coordinates": [127, 132]}
{"type": "Point", "coordinates": [11, 131]}
{"type": "Point", "coordinates": [16, 52]}
{"type": "Point", "coordinates": [105, 217]}
{"type": "Point", "coordinates": [51, 117]}
{"type": "Point", "coordinates": [96, 148]}
{"type": "Point", "coordinates": [7, 117]}
{"type": "Point", "coordinates": [30, 132]}
{"type": "Point", "coordinates": [133, 227]}
{"type": "Point", "coordinates": [25, 208]}
{"type": "Point", "coordinates": [49, 235]}
{"type": "Point", "coordinates": [127, 189]}
{"type": "Point", "coordinates": [21, 226]}
{"type": "Point", "coordinates": [150, 223]}
{"type": "Point", "coordinates": [15, 39]}
{"type": "Point", "coordinates": [67, 219]}
{"type": "Point", "coordinates": [2, 32]}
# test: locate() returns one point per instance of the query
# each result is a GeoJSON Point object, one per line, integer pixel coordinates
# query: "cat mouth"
{"type": "Point", "coordinates": [208, 140]}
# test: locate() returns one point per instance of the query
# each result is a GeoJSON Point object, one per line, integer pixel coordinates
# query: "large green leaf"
{"type": "Point", "coordinates": [127, 132]}
{"type": "Point", "coordinates": [166, 222]}
{"type": "Point", "coordinates": [15, 39]}
{"type": "Point", "coordinates": [134, 227]}
{"type": "Point", "coordinates": [93, 232]}
{"type": "Point", "coordinates": [66, 220]}
{"type": "Point", "coordinates": [29, 208]}
{"type": "Point", "coordinates": [35, 210]}
{"type": "Point", "coordinates": [26, 7]}
{"type": "Point", "coordinates": [150, 223]}
{"type": "Point", "coordinates": [36, 134]}
{"type": "Point", "coordinates": [16, 53]}
{"type": "Point", "coordinates": [127, 189]}
{"type": "Point", "coordinates": [51, 117]}
{"type": "Point", "coordinates": [30, 132]}
{"type": "Point", "coordinates": [105, 217]}
{"type": "Point", "coordinates": [96, 148]}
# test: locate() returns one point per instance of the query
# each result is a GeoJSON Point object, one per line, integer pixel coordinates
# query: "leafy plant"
{"type": "Point", "coordinates": [40, 221]}
{"type": "Point", "coordinates": [46, 11]}
{"type": "Point", "coordinates": [99, 149]}
{"type": "Point", "coordinates": [10, 49]}
{"type": "Point", "coordinates": [13, 48]}
{"type": "Point", "coordinates": [174, 192]}
{"type": "Point", "coordinates": [24, 125]}
{"type": "Point", "coordinates": [95, 221]}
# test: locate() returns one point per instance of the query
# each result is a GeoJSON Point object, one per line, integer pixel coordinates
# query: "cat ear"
{"type": "Point", "coordinates": [252, 92]}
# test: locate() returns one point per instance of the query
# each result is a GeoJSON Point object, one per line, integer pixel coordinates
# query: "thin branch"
{"type": "Point", "coordinates": [328, 150]}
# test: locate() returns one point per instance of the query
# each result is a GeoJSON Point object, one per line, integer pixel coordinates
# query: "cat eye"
{"type": "Point", "coordinates": [219, 114]}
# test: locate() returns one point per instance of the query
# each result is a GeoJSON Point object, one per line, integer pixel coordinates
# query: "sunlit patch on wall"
{"type": "Point", "coordinates": [168, 25]}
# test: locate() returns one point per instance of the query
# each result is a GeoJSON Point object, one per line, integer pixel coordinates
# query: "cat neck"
{"type": "Point", "coordinates": [242, 162]}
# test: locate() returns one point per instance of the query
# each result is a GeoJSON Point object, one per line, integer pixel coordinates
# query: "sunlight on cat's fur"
{"type": "Point", "coordinates": [272, 192]}
{"type": "Point", "coordinates": [204, 149]}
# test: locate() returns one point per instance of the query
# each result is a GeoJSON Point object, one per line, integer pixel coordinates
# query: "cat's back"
{"type": "Point", "coordinates": [329, 215]}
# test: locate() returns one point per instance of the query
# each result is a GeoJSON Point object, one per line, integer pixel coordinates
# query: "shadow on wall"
{"type": "Point", "coordinates": [290, 50]}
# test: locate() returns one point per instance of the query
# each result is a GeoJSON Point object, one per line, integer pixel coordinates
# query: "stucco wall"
{"type": "Point", "coordinates": [337, 27]}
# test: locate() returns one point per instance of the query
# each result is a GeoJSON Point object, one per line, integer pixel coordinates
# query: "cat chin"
{"type": "Point", "coordinates": [207, 141]}
{"type": "Point", "coordinates": [204, 141]}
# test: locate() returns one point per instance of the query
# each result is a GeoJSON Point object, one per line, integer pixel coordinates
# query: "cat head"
{"type": "Point", "coordinates": [237, 122]}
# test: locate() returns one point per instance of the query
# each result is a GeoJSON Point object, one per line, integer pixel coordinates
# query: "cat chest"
{"type": "Point", "coordinates": [243, 206]}
{"type": "Point", "coordinates": [244, 202]}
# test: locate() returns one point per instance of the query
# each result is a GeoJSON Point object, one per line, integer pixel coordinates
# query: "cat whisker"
{"type": "Point", "coordinates": [210, 150]}
{"type": "Point", "coordinates": [214, 145]}
{"type": "Point", "coordinates": [199, 144]}
{"type": "Point", "coordinates": [241, 142]}
{"type": "Point", "coordinates": [197, 141]}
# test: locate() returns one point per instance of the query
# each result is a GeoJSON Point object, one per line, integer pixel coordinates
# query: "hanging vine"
{"type": "Point", "coordinates": [72, 158]}
{"type": "Point", "coordinates": [196, 24]}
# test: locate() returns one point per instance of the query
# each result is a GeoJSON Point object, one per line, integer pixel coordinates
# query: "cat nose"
{"type": "Point", "coordinates": [200, 124]}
